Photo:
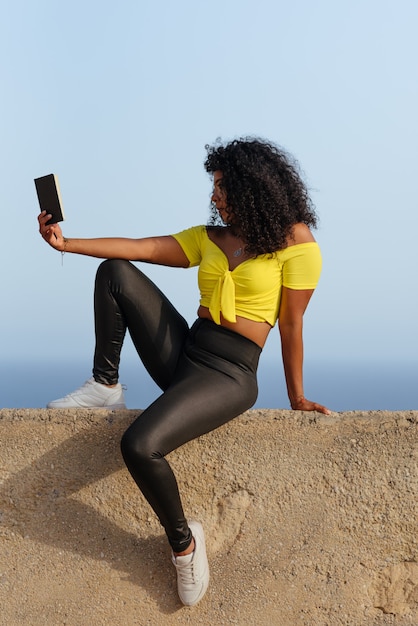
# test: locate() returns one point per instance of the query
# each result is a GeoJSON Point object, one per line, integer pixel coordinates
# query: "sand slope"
{"type": "Point", "coordinates": [310, 520]}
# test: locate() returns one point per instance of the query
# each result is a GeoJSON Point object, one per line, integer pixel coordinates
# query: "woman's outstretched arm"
{"type": "Point", "coordinates": [160, 250]}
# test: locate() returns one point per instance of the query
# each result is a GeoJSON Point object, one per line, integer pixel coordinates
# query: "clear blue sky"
{"type": "Point", "coordinates": [119, 100]}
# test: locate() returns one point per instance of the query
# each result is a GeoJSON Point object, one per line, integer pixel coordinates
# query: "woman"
{"type": "Point", "coordinates": [260, 265]}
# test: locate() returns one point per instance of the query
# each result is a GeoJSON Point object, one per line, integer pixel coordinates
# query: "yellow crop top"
{"type": "Point", "coordinates": [253, 288]}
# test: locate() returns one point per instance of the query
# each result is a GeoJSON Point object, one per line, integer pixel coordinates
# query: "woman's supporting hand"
{"type": "Point", "coordinates": [302, 404]}
{"type": "Point", "coordinates": [52, 233]}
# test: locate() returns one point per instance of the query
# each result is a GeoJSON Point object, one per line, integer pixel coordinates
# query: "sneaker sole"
{"type": "Point", "coordinates": [110, 407]}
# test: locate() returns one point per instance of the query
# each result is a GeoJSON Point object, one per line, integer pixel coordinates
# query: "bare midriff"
{"type": "Point", "coordinates": [256, 331]}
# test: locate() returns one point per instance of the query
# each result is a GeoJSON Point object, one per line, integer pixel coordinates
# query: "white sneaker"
{"type": "Point", "coordinates": [92, 395]}
{"type": "Point", "coordinates": [193, 569]}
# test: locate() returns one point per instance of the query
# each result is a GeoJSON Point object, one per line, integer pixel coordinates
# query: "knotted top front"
{"type": "Point", "coordinates": [223, 299]}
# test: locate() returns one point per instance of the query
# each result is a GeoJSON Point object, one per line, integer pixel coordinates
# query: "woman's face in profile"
{"type": "Point", "coordinates": [219, 198]}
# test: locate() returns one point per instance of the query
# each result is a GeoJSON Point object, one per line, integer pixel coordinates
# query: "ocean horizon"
{"type": "Point", "coordinates": [341, 386]}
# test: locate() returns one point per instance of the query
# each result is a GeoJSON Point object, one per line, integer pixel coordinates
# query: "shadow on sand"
{"type": "Point", "coordinates": [42, 501]}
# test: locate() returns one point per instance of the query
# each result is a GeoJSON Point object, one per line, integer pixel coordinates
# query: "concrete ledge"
{"type": "Point", "coordinates": [310, 520]}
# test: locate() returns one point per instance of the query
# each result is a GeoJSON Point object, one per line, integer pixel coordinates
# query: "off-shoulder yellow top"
{"type": "Point", "coordinates": [252, 289]}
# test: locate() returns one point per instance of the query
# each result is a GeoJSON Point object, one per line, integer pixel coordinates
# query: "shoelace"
{"type": "Point", "coordinates": [88, 383]}
{"type": "Point", "coordinates": [78, 391]}
{"type": "Point", "coordinates": [186, 573]}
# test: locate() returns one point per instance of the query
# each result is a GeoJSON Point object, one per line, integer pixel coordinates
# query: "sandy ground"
{"type": "Point", "coordinates": [310, 520]}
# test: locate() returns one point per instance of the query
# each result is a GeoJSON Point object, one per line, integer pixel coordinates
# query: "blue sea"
{"type": "Point", "coordinates": [342, 386]}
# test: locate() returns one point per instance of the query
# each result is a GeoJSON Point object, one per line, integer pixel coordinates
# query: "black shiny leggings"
{"type": "Point", "coordinates": [207, 374]}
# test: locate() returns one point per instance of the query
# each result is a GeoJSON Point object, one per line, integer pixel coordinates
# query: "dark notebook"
{"type": "Point", "coordinates": [49, 197]}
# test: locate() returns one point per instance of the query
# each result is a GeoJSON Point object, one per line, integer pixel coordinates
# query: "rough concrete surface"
{"type": "Point", "coordinates": [310, 520]}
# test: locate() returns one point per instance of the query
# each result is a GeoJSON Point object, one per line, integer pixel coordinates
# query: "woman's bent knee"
{"type": "Point", "coordinates": [128, 447]}
{"type": "Point", "coordinates": [113, 267]}
{"type": "Point", "coordinates": [134, 450]}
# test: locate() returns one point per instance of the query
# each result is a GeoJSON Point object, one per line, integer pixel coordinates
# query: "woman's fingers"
{"type": "Point", "coordinates": [52, 233]}
{"type": "Point", "coordinates": [306, 405]}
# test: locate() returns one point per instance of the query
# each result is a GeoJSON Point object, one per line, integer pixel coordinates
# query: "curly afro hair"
{"type": "Point", "coordinates": [264, 191]}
